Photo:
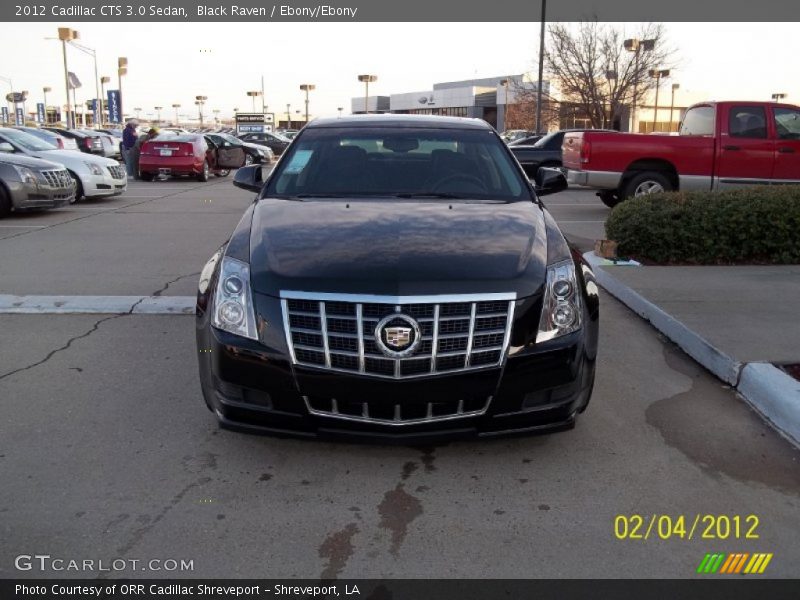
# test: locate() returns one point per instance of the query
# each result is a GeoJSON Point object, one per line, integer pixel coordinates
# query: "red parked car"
{"type": "Point", "coordinates": [191, 155]}
{"type": "Point", "coordinates": [721, 145]}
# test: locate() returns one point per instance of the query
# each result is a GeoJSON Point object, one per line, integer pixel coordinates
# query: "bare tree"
{"type": "Point", "coordinates": [596, 75]}
{"type": "Point", "coordinates": [521, 113]}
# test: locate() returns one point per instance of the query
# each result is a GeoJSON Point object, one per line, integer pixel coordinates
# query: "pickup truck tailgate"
{"type": "Point", "coordinates": [571, 150]}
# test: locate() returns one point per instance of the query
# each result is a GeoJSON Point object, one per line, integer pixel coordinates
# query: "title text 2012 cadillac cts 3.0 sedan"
{"type": "Point", "coordinates": [398, 278]}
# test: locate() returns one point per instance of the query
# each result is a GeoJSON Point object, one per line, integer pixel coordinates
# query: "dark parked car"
{"type": "Point", "coordinates": [59, 141]}
{"type": "Point", "coordinates": [526, 141]}
{"type": "Point", "coordinates": [91, 142]}
{"type": "Point", "coordinates": [397, 277]}
{"type": "Point", "coordinates": [276, 143]}
{"type": "Point", "coordinates": [254, 153]}
{"type": "Point", "coordinates": [544, 153]}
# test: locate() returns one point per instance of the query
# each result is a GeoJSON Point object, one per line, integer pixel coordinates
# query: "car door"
{"type": "Point", "coordinates": [787, 144]}
{"type": "Point", "coordinates": [746, 150]}
{"type": "Point", "coordinates": [225, 154]}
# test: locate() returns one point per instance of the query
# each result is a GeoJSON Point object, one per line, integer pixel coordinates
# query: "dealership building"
{"type": "Point", "coordinates": [485, 98]}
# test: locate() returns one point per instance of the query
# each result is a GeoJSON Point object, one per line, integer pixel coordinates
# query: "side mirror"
{"type": "Point", "coordinates": [249, 178]}
{"type": "Point", "coordinates": [6, 147]}
{"type": "Point", "coordinates": [549, 181]}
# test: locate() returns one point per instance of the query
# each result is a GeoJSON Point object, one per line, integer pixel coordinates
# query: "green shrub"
{"type": "Point", "coordinates": [753, 225]}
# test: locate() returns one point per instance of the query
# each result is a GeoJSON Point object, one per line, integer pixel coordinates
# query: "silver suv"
{"type": "Point", "coordinates": [32, 183]}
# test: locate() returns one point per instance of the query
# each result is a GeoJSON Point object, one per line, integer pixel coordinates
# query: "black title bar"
{"type": "Point", "coordinates": [259, 11]}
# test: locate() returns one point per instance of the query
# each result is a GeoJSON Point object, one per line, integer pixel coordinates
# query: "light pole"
{"type": "Point", "coordinates": [778, 97]}
{"type": "Point", "coordinates": [46, 89]}
{"type": "Point", "coordinates": [122, 69]}
{"type": "Point", "coordinates": [93, 53]}
{"type": "Point", "coordinates": [367, 79]}
{"type": "Point", "coordinates": [65, 34]}
{"type": "Point", "coordinates": [541, 71]}
{"type": "Point", "coordinates": [216, 116]}
{"type": "Point", "coordinates": [340, 109]}
{"type": "Point", "coordinates": [307, 87]}
{"type": "Point", "coordinates": [675, 86]}
{"type": "Point", "coordinates": [254, 94]}
{"type": "Point", "coordinates": [504, 83]}
{"type": "Point", "coordinates": [158, 113]}
{"type": "Point", "coordinates": [176, 106]}
{"type": "Point", "coordinates": [657, 74]}
{"type": "Point", "coordinates": [200, 101]}
{"type": "Point", "coordinates": [103, 81]}
{"type": "Point", "coordinates": [637, 46]}
{"type": "Point", "coordinates": [137, 110]}
{"type": "Point", "coordinates": [611, 75]}
{"type": "Point", "coordinates": [288, 116]}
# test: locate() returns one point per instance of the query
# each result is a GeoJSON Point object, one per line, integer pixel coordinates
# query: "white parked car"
{"type": "Point", "coordinates": [94, 176]}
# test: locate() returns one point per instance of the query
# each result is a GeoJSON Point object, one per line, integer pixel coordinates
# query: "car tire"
{"type": "Point", "coordinates": [223, 173]}
{"type": "Point", "coordinates": [202, 176]}
{"type": "Point", "coordinates": [646, 182]}
{"type": "Point", "coordinates": [248, 160]}
{"type": "Point", "coordinates": [147, 176]}
{"type": "Point", "coordinates": [609, 198]}
{"type": "Point", "coordinates": [78, 187]}
{"type": "Point", "coordinates": [5, 202]}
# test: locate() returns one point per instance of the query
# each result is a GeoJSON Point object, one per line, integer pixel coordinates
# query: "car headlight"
{"type": "Point", "coordinates": [233, 300]}
{"type": "Point", "coordinates": [93, 168]}
{"type": "Point", "coordinates": [561, 309]}
{"type": "Point", "coordinates": [26, 175]}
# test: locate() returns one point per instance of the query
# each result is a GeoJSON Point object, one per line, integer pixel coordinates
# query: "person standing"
{"type": "Point", "coordinates": [128, 142]}
{"type": "Point", "coordinates": [136, 151]}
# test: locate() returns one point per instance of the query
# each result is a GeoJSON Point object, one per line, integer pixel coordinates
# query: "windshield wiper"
{"type": "Point", "coordinates": [323, 196]}
{"type": "Point", "coordinates": [444, 195]}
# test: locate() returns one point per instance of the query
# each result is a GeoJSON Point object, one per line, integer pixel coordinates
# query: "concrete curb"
{"type": "Point", "coordinates": [771, 392]}
{"type": "Point", "coordinates": [111, 305]}
{"type": "Point", "coordinates": [774, 394]}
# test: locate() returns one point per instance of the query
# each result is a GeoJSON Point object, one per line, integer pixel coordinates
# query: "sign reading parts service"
{"type": "Point", "coordinates": [40, 112]}
{"type": "Point", "coordinates": [114, 114]}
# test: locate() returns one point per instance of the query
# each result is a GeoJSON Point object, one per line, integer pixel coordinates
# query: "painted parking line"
{"type": "Point", "coordinates": [23, 226]}
{"type": "Point", "coordinates": [111, 305]}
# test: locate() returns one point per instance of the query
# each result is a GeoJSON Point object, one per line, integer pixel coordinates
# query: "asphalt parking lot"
{"type": "Point", "coordinates": [107, 450]}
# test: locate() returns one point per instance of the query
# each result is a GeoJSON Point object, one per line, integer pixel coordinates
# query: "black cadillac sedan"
{"type": "Point", "coordinates": [397, 278]}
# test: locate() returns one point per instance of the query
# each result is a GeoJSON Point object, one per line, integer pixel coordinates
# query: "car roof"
{"type": "Point", "coordinates": [395, 120]}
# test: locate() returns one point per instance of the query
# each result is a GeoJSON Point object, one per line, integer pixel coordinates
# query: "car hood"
{"type": "Point", "coordinates": [29, 161]}
{"type": "Point", "coordinates": [70, 156]}
{"type": "Point", "coordinates": [389, 247]}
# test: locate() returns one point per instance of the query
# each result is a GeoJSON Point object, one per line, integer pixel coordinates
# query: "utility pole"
{"type": "Point", "coordinates": [541, 71]}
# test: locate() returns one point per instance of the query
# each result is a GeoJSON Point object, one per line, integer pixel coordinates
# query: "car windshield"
{"type": "Point", "coordinates": [400, 163]}
{"type": "Point", "coordinates": [26, 141]}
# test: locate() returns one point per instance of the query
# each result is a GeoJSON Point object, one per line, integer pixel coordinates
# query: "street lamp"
{"type": "Point", "coordinates": [158, 113]}
{"type": "Point", "coordinates": [103, 81]}
{"type": "Point", "coordinates": [254, 94]}
{"type": "Point", "coordinates": [288, 116]}
{"type": "Point", "coordinates": [778, 97]}
{"type": "Point", "coordinates": [657, 74]}
{"type": "Point", "coordinates": [176, 107]}
{"type": "Point", "coordinates": [216, 116]}
{"type": "Point", "coordinates": [637, 46]}
{"type": "Point", "coordinates": [504, 83]}
{"type": "Point", "coordinates": [611, 75]}
{"type": "Point", "coordinates": [340, 109]}
{"type": "Point", "coordinates": [200, 101]}
{"type": "Point", "coordinates": [367, 79]}
{"type": "Point", "coordinates": [307, 87]}
{"type": "Point", "coordinates": [65, 34]}
{"type": "Point", "coordinates": [137, 110]}
{"type": "Point", "coordinates": [675, 86]}
{"type": "Point", "coordinates": [46, 89]}
{"type": "Point", "coordinates": [122, 70]}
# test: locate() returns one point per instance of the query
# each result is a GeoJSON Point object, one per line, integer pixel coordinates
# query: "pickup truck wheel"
{"type": "Point", "coordinates": [5, 202]}
{"type": "Point", "coordinates": [648, 182]}
{"type": "Point", "coordinates": [610, 199]}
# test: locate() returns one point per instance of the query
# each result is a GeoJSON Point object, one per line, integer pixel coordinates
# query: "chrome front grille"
{"type": "Point", "coordinates": [337, 332]}
{"type": "Point", "coordinates": [117, 172]}
{"type": "Point", "coordinates": [389, 413]}
{"type": "Point", "coordinates": [58, 179]}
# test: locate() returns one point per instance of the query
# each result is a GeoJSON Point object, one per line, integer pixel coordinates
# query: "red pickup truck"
{"type": "Point", "coordinates": [720, 145]}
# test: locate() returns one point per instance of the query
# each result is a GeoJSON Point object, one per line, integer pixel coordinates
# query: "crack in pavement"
{"type": "Point", "coordinates": [169, 283]}
{"type": "Point", "coordinates": [107, 211]}
{"type": "Point", "coordinates": [69, 343]}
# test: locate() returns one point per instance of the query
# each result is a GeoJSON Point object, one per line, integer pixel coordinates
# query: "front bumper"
{"type": "Point", "coordinates": [95, 186]}
{"type": "Point", "coordinates": [27, 196]}
{"type": "Point", "coordinates": [605, 180]}
{"type": "Point", "coordinates": [256, 389]}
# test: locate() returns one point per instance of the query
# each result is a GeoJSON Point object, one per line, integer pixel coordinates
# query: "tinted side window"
{"type": "Point", "coordinates": [698, 121]}
{"type": "Point", "coordinates": [787, 123]}
{"type": "Point", "coordinates": [747, 122]}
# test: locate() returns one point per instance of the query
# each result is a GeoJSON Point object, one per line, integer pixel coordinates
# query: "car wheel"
{"type": "Point", "coordinates": [248, 160]}
{"type": "Point", "coordinates": [147, 176]}
{"type": "Point", "coordinates": [223, 173]}
{"type": "Point", "coordinates": [203, 175]}
{"type": "Point", "coordinates": [647, 182]}
{"type": "Point", "coordinates": [78, 187]}
{"type": "Point", "coordinates": [5, 202]}
{"type": "Point", "coordinates": [609, 198]}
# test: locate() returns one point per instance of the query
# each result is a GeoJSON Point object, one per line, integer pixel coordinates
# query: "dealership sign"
{"type": "Point", "coordinates": [17, 97]}
{"type": "Point", "coordinates": [20, 116]}
{"type": "Point", "coordinates": [4, 114]}
{"type": "Point", "coordinates": [114, 114]}
{"type": "Point", "coordinates": [40, 112]}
